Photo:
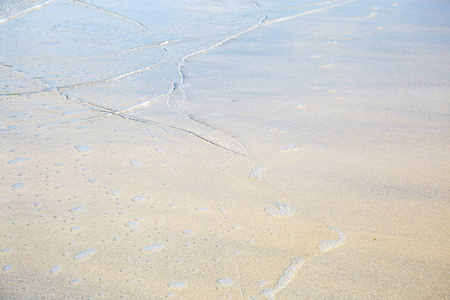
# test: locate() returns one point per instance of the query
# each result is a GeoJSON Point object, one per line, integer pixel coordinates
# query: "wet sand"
{"type": "Point", "coordinates": [242, 150]}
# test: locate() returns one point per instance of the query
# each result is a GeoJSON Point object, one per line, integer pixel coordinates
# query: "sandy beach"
{"type": "Point", "coordinates": [224, 149]}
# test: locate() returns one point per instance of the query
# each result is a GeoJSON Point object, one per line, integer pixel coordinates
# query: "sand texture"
{"type": "Point", "coordinates": [224, 149]}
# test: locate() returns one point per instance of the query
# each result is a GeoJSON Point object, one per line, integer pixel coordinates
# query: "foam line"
{"type": "Point", "coordinates": [258, 8]}
{"type": "Point", "coordinates": [121, 114]}
{"type": "Point", "coordinates": [283, 210]}
{"type": "Point", "coordinates": [305, 4]}
{"type": "Point", "coordinates": [292, 269]}
{"type": "Point", "coordinates": [262, 22]}
{"type": "Point", "coordinates": [327, 245]}
{"type": "Point", "coordinates": [168, 42]}
{"type": "Point", "coordinates": [284, 279]}
{"type": "Point", "coordinates": [20, 13]}
{"type": "Point", "coordinates": [140, 25]}
{"type": "Point", "coordinates": [308, 12]}
{"type": "Point", "coordinates": [115, 77]}
{"type": "Point", "coordinates": [120, 76]}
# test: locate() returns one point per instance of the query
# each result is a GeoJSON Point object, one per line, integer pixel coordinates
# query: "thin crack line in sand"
{"type": "Point", "coordinates": [139, 24]}
{"type": "Point", "coordinates": [241, 290]}
{"type": "Point", "coordinates": [112, 112]}
{"type": "Point", "coordinates": [305, 5]}
{"type": "Point", "coordinates": [235, 264]}
{"type": "Point", "coordinates": [42, 82]}
{"type": "Point", "coordinates": [308, 12]}
{"type": "Point", "coordinates": [262, 22]}
{"type": "Point", "coordinates": [258, 8]}
{"type": "Point", "coordinates": [167, 42]}
{"type": "Point", "coordinates": [30, 9]}
{"type": "Point", "coordinates": [117, 77]}
{"type": "Point", "coordinates": [146, 121]}
{"type": "Point", "coordinates": [184, 60]}
{"type": "Point", "coordinates": [162, 61]}
{"type": "Point", "coordinates": [180, 85]}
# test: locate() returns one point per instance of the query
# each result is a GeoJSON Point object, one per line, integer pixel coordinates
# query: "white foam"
{"type": "Point", "coordinates": [82, 148]}
{"type": "Point", "coordinates": [284, 279]}
{"type": "Point", "coordinates": [256, 173]}
{"type": "Point", "coordinates": [263, 282]}
{"type": "Point", "coordinates": [18, 161]}
{"type": "Point", "coordinates": [371, 15]}
{"type": "Point", "coordinates": [283, 210]}
{"type": "Point", "coordinates": [84, 254]}
{"type": "Point", "coordinates": [22, 12]}
{"type": "Point", "coordinates": [327, 245]}
{"type": "Point", "coordinates": [290, 148]}
{"type": "Point", "coordinates": [153, 248]}
{"type": "Point", "coordinates": [77, 209]}
{"type": "Point", "coordinates": [225, 281]}
{"type": "Point", "coordinates": [177, 284]}
{"type": "Point", "coordinates": [329, 65]}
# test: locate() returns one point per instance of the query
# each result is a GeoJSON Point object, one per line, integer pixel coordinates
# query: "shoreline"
{"type": "Point", "coordinates": [222, 159]}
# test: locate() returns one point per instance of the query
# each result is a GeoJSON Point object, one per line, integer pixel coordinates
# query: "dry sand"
{"type": "Point", "coordinates": [237, 150]}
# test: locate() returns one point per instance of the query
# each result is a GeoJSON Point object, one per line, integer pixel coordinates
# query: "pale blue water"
{"type": "Point", "coordinates": [123, 56]}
